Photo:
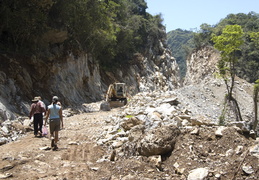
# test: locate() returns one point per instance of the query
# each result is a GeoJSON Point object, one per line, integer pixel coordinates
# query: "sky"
{"type": "Point", "coordinates": [190, 14]}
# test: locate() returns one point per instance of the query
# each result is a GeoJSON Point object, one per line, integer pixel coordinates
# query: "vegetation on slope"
{"type": "Point", "coordinates": [228, 44]}
{"type": "Point", "coordinates": [180, 42]}
{"type": "Point", "coordinates": [110, 30]}
{"type": "Point", "coordinates": [248, 56]}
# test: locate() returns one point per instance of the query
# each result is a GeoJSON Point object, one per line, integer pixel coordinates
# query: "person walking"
{"type": "Point", "coordinates": [54, 113]}
{"type": "Point", "coordinates": [37, 110]}
{"type": "Point", "coordinates": [42, 103]}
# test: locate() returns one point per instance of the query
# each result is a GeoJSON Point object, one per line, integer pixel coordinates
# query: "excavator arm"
{"type": "Point", "coordinates": [110, 93]}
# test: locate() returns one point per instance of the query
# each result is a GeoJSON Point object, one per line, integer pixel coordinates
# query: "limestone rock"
{"type": "Point", "coordinates": [136, 133]}
{"type": "Point", "coordinates": [3, 140]}
{"type": "Point", "coordinates": [129, 177]}
{"type": "Point", "coordinates": [131, 122]}
{"type": "Point", "coordinates": [198, 174]}
{"type": "Point", "coordinates": [172, 101]}
{"type": "Point", "coordinates": [229, 152]}
{"type": "Point", "coordinates": [248, 169]}
{"type": "Point", "coordinates": [239, 149]}
{"type": "Point", "coordinates": [241, 124]}
{"type": "Point", "coordinates": [156, 160]}
{"type": "Point", "coordinates": [178, 169]}
{"type": "Point", "coordinates": [219, 131]}
{"type": "Point", "coordinates": [5, 176]}
{"type": "Point", "coordinates": [158, 141]}
{"type": "Point", "coordinates": [27, 122]}
{"type": "Point", "coordinates": [254, 150]}
{"type": "Point", "coordinates": [195, 131]}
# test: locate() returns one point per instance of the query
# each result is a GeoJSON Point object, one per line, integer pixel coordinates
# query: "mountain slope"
{"type": "Point", "coordinates": [180, 43]}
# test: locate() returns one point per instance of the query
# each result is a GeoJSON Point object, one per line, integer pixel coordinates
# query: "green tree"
{"type": "Point", "coordinates": [255, 98]}
{"type": "Point", "coordinates": [248, 61]}
{"type": "Point", "coordinates": [22, 22]}
{"type": "Point", "coordinates": [228, 43]}
{"type": "Point", "coordinates": [111, 31]}
{"type": "Point", "coordinates": [180, 42]}
{"type": "Point", "coordinates": [255, 38]}
{"type": "Point", "coordinates": [203, 37]}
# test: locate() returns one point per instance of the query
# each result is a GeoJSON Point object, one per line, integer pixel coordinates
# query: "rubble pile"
{"type": "Point", "coordinates": [159, 126]}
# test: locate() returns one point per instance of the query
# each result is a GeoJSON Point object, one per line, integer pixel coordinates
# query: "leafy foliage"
{"type": "Point", "coordinates": [180, 43]}
{"type": "Point", "coordinates": [248, 56]}
{"type": "Point", "coordinates": [228, 44]}
{"type": "Point", "coordinates": [229, 41]}
{"type": "Point", "coordinates": [255, 98]}
{"type": "Point", "coordinates": [248, 59]}
{"type": "Point", "coordinates": [111, 30]}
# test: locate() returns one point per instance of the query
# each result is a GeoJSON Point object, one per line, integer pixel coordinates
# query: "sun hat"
{"type": "Point", "coordinates": [36, 99]}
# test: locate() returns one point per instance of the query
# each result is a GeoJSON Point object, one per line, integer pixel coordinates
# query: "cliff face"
{"type": "Point", "coordinates": [201, 65]}
{"type": "Point", "coordinates": [77, 79]}
{"type": "Point", "coordinates": [205, 91]}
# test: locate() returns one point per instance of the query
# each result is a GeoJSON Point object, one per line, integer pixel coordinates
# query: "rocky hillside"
{"type": "Point", "coordinates": [77, 79]}
{"type": "Point", "coordinates": [204, 91]}
{"type": "Point", "coordinates": [201, 66]}
{"type": "Point", "coordinates": [75, 49]}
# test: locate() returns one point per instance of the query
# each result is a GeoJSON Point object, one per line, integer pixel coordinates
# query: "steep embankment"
{"type": "Point", "coordinates": [77, 79]}
{"type": "Point", "coordinates": [205, 91]}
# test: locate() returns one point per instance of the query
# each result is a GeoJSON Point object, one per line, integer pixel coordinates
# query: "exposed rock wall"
{"type": "Point", "coordinates": [77, 79]}
{"type": "Point", "coordinates": [205, 91]}
{"type": "Point", "coordinates": [201, 65]}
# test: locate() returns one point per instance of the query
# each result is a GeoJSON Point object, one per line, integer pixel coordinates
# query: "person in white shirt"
{"type": "Point", "coordinates": [54, 113]}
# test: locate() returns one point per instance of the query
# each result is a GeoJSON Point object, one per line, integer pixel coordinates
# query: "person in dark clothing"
{"type": "Point", "coordinates": [37, 108]}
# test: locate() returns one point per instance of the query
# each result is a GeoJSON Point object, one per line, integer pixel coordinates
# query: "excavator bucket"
{"type": "Point", "coordinates": [115, 104]}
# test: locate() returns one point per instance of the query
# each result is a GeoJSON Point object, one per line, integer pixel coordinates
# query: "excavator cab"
{"type": "Point", "coordinates": [120, 89]}
{"type": "Point", "coordinates": [115, 96]}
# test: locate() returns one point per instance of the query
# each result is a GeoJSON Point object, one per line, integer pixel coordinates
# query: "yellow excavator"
{"type": "Point", "coordinates": [115, 96]}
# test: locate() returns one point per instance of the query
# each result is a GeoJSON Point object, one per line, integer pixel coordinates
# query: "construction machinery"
{"type": "Point", "coordinates": [115, 96]}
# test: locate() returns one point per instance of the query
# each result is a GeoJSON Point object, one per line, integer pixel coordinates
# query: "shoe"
{"type": "Point", "coordinates": [55, 147]}
{"type": "Point", "coordinates": [40, 134]}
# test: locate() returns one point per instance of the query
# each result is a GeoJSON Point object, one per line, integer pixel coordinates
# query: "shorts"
{"type": "Point", "coordinates": [54, 125]}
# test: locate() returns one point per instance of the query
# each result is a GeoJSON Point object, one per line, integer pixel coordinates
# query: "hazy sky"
{"type": "Point", "coordinates": [188, 14]}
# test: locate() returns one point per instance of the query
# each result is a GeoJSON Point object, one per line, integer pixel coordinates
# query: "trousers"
{"type": "Point", "coordinates": [37, 123]}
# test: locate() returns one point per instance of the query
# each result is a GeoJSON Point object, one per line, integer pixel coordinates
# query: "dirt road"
{"type": "Point", "coordinates": [31, 158]}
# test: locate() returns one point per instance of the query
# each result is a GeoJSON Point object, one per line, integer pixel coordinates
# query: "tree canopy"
{"type": "Point", "coordinates": [180, 43]}
{"type": "Point", "coordinates": [111, 30]}
{"type": "Point", "coordinates": [228, 44]}
{"type": "Point", "coordinates": [229, 41]}
{"type": "Point", "coordinates": [248, 56]}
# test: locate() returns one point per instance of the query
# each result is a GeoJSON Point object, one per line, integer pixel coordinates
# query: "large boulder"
{"type": "Point", "coordinates": [158, 141]}
{"type": "Point", "coordinates": [131, 122]}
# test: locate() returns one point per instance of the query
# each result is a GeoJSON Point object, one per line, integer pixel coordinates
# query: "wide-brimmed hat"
{"type": "Point", "coordinates": [36, 99]}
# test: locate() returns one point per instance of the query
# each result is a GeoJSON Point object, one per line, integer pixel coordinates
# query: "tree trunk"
{"type": "Point", "coordinates": [237, 109]}
{"type": "Point", "coordinates": [256, 89]}
{"type": "Point", "coordinates": [230, 95]}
